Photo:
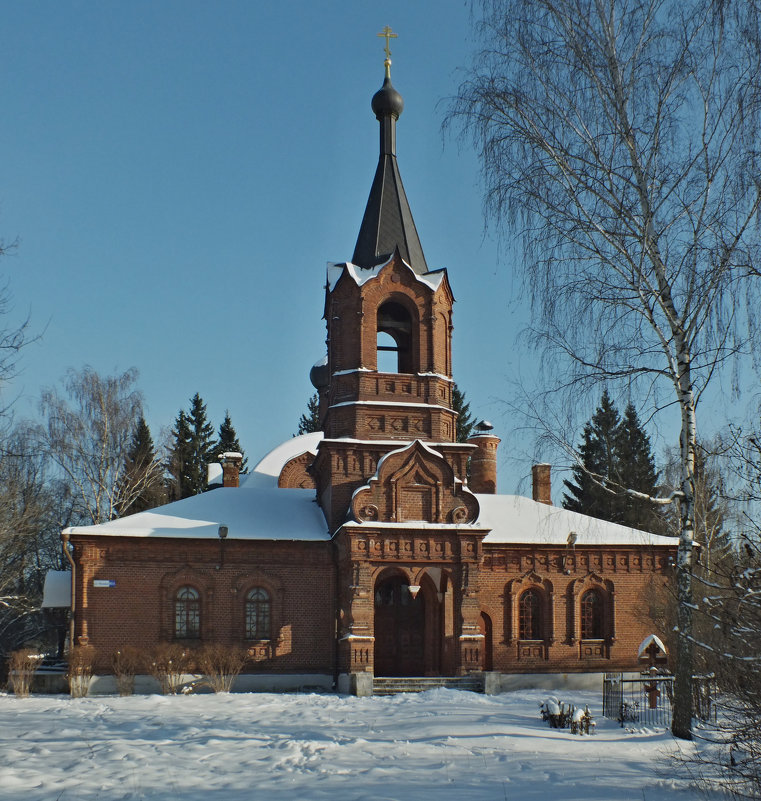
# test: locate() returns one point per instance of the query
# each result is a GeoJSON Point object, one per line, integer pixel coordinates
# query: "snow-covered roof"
{"type": "Point", "coordinates": [256, 513]}
{"type": "Point", "coordinates": [514, 519]}
{"type": "Point", "coordinates": [391, 403]}
{"type": "Point", "coordinates": [648, 641]}
{"type": "Point", "coordinates": [362, 275]}
{"type": "Point", "coordinates": [56, 591]}
{"type": "Point", "coordinates": [214, 475]}
{"type": "Point", "coordinates": [260, 510]}
{"type": "Point", "coordinates": [400, 443]}
{"type": "Point", "coordinates": [270, 466]}
{"type": "Point", "coordinates": [368, 370]}
{"type": "Point", "coordinates": [257, 510]}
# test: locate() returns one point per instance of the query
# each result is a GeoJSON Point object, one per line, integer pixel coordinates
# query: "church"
{"type": "Point", "coordinates": [378, 547]}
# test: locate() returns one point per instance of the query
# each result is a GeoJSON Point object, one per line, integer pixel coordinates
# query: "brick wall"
{"type": "Point", "coordinates": [631, 580]}
{"type": "Point", "coordinates": [300, 579]}
{"type": "Point", "coordinates": [139, 609]}
{"type": "Point", "coordinates": [463, 580]}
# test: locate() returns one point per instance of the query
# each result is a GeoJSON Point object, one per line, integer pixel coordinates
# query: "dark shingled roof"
{"type": "Point", "coordinates": [388, 224]}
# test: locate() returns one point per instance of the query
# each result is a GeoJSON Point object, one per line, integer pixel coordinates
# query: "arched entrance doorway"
{"type": "Point", "coordinates": [399, 628]}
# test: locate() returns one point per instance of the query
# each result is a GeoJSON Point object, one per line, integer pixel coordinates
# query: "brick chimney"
{"type": "Point", "coordinates": [231, 462]}
{"type": "Point", "coordinates": [542, 487]}
{"type": "Point", "coordinates": [483, 463]}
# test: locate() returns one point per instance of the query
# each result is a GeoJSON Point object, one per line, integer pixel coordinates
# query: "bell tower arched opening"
{"type": "Point", "coordinates": [388, 353]}
{"type": "Point", "coordinates": [395, 338]}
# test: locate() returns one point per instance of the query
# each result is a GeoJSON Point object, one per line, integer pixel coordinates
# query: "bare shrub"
{"type": "Point", "coordinates": [168, 663]}
{"type": "Point", "coordinates": [21, 669]}
{"type": "Point", "coordinates": [81, 662]}
{"type": "Point", "coordinates": [126, 663]}
{"type": "Point", "coordinates": [220, 665]}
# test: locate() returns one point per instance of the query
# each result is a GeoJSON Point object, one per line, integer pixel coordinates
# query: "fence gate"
{"type": "Point", "coordinates": [648, 699]}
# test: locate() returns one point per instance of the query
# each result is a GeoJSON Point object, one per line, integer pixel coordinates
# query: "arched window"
{"type": "Point", "coordinates": [394, 345]}
{"type": "Point", "coordinates": [530, 623]}
{"type": "Point", "coordinates": [258, 614]}
{"type": "Point", "coordinates": [591, 615]}
{"type": "Point", "coordinates": [187, 613]}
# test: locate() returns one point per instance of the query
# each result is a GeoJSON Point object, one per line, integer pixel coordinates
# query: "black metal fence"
{"type": "Point", "coordinates": [648, 699]}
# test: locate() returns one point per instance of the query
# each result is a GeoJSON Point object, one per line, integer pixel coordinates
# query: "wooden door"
{"type": "Point", "coordinates": [399, 629]}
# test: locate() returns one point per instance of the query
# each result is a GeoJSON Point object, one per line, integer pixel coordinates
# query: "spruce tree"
{"type": "Point", "coordinates": [465, 421]}
{"type": "Point", "coordinates": [143, 486]}
{"type": "Point", "coordinates": [180, 459]}
{"type": "Point", "coordinates": [597, 452]}
{"type": "Point", "coordinates": [616, 456]}
{"type": "Point", "coordinates": [309, 422]}
{"type": "Point", "coordinates": [228, 441]}
{"type": "Point", "coordinates": [203, 447]}
{"type": "Point", "coordinates": [635, 468]}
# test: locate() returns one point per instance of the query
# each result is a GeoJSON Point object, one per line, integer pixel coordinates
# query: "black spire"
{"type": "Point", "coordinates": [388, 224]}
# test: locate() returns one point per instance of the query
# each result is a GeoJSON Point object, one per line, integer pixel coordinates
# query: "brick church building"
{"type": "Point", "coordinates": [377, 547]}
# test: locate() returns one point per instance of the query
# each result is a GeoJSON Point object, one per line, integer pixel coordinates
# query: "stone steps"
{"type": "Point", "coordinates": [391, 685]}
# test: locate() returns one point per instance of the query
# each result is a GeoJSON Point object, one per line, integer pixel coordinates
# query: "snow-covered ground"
{"type": "Point", "coordinates": [436, 746]}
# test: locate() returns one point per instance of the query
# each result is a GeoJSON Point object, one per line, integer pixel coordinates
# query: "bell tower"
{"type": "Point", "coordinates": [387, 379]}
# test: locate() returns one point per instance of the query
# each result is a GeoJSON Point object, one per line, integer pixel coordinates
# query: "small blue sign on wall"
{"type": "Point", "coordinates": [104, 582]}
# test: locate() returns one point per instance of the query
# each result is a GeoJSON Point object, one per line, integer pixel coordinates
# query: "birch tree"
{"type": "Point", "coordinates": [87, 433]}
{"type": "Point", "coordinates": [619, 139]}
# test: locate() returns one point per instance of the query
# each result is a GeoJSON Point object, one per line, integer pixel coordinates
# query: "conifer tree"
{"type": "Point", "coordinates": [203, 447]}
{"type": "Point", "coordinates": [465, 421]}
{"type": "Point", "coordinates": [616, 456]}
{"type": "Point", "coordinates": [228, 441]}
{"type": "Point", "coordinates": [309, 422]}
{"type": "Point", "coordinates": [143, 483]}
{"type": "Point", "coordinates": [635, 468]}
{"type": "Point", "coordinates": [597, 452]}
{"type": "Point", "coordinates": [180, 459]}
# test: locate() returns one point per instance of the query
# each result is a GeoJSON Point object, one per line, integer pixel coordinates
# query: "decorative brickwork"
{"type": "Point", "coordinates": [295, 473]}
{"type": "Point", "coordinates": [411, 581]}
{"type": "Point", "coordinates": [483, 463]}
{"type": "Point", "coordinates": [414, 483]}
{"type": "Point", "coordinates": [343, 466]}
{"type": "Point", "coordinates": [416, 401]}
{"type": "Point", "coordinates": [629, 580]}
{"type": "Point", "coordinates": [138, 609]}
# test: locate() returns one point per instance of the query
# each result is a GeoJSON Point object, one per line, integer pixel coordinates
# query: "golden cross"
{"type": "Point", "coordinates": [387, 34]}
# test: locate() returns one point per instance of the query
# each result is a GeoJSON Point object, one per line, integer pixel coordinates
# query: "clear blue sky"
{"type": "Point", "coordinates": [178, 174]}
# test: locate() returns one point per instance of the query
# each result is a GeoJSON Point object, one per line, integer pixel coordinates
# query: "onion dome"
{"type": "Point", "coordinates": [319, 375]}
{"type": "Point", "coordinates": [387, 102]}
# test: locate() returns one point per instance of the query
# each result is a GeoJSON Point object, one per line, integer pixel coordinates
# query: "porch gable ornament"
{"type": "Point", "coordinates": [414, 483]}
